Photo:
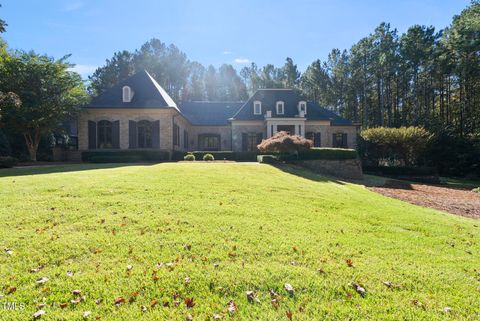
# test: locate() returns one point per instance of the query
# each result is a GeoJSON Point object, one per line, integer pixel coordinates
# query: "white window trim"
{"type": "Point", "coordinates": [280, 103]}
{"type": "Point", "coordinates": [300, 108]}
{"type": "Point", "coordinates": [127, 94]}
{"type": "Point", "coordinates": [255, 103]}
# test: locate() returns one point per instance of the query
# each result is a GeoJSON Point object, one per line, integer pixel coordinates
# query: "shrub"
{"type": "Point", "coordinates": [476, 190]}
{"type": "Point", "coordinates": [123, 156]}
{"type": "Point", "coordinates": [396, 171]}
{"type": "Point", "coordinates": [327, 153]}
{"type": "Point", "coordinates": [189, 157]}
{"type": "Point", "coordinates": [5, 148]}
{"type": "Point", "coordinates": [220, 155]}
{"type": "Point", "coordinates": [208, 157]}
{"type": "Point", "coordinates": [8, 162]}
{"type": "Point", "coordinates": [283, 143]}
{"type": "Point", "coordinates": [404, 145]}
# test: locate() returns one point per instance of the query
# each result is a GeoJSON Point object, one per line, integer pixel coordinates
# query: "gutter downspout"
{"type": "Point", "coordinates": [173, 143]}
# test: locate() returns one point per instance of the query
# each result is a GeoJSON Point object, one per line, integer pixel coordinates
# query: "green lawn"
{"type": "Point", "coordinates": [230, 228]}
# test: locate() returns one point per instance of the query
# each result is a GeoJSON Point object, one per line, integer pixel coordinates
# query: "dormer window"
{"type": "Point", "coordinates": [280, 108]}
{"type": "Point", "coordinates": [257, 107]}
{"type": "Point", "coordinates": [302, 107]}
{"type": "Point", "coordinates": [127, 94]}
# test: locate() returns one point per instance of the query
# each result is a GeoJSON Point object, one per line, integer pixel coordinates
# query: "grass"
{"type": "Point", "coordinates": [460, 182]}
{"type": "Point", "coordinates": [262, 225]}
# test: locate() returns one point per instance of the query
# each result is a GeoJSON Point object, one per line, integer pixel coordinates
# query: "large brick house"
{"type": "Point", "coordinates": [139, 114]}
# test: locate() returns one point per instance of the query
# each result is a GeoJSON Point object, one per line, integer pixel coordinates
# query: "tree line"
{"type": "Point", "coordinates": [422, 77]}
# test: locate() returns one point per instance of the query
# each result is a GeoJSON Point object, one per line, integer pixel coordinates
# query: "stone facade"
{"type": "Point", "coordinates": [346, 168]}
{"type": "Point", "coordinates": [328, 130]}
{"type": "Point", "coordinates": [240, 127]}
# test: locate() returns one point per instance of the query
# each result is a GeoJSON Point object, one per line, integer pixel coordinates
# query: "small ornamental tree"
{"type": "Point", "coordinates": [45, 95]}
{"type": "Point", "coordinates": [284, 143]}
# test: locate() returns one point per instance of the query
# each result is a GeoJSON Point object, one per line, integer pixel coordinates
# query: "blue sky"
{"type": "Point", "coordinates": [211, 32]}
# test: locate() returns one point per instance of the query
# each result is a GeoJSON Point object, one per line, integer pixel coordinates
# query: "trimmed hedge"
{"type": "Point", "coordinates": [124, 156]}
{"type": "Point", "coordinates": [322, 153]}
{"type": "Point", "coordinates": [223, 155]}
{"type": "Point", "coordinates": [208, 157]}
{"type": "Point", "coordinates": [8, 162]}
{"type": "Point", "coordinates": [267, 159]}
{"type": "Point", "coordinates": [396, 171]}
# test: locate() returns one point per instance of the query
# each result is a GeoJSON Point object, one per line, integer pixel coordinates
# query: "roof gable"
{"type": "Point", "coordinates": [290, 98]}
{"type": "Point", "coordinates": [147, 94]}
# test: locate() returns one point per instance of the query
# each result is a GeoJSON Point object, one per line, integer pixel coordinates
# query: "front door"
{"type": "Point", "coordinates": [290, 129]}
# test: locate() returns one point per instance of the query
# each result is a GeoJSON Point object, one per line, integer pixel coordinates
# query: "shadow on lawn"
{"type": "Point", "coordinates": [309, 174]}
{"type": "Point", "coordinates": [64, 168]}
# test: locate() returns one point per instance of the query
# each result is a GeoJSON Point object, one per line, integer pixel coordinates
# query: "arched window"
{"type": "Point", "coordinates": [280, 107]}
{"type": "Point", "coordinates": [105, 134]}
{"type": "Point", "coordinates": [145, 134]}
{"type": "Point", "coordinates": [127, 94]}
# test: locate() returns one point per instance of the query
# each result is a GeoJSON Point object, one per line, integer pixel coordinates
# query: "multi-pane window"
{"type": "Point", "coordinates": [250, 141]}
{"type": "Point", "coordinates": [104, 134]}
{"type": "Point", "coordinates": [280, 107]}
{"type": "Point", "coordinates": [209, 142]}
{"type": "Point", "coordinates": [315, 137]}
{"type": "Point", "coordinates": [340, 140]}
{"type": "Point", "coordinates": [302, 107]}
{"type": "Point", "coordinates": [145, 134]}
{"type": "Point", "coordinates": [257, 108]}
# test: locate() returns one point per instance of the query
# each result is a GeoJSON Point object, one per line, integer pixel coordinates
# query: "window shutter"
{"type": "Point", "coordinates": [334, 141]}
{"type": "Point", "coordinates": [317, 140]}
{"type": "Point", "coordinates": [344, 141]}
{"type": "Point", "coordinates": [92, 134]}
{"type": "Point", "coordinates": [132, 134]}
{"type": "Point", "coordinates": [156, 134]}
{"type": "Point", "coordinates": [116, 134]}
{"type": "Point", "coordinates": [244, 142]}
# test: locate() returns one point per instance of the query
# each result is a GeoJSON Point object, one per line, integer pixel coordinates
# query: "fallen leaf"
{"type": "Point", "coordinates": [289, 314]}
{"type": "Point", "coordinates": [153, 303]}
{"type": "Point", "coordinates": [63, 305]}
{"type": "Point", "coordinates": [86, 314]}
{"type": "Point", "coordinates": [273, 294]}
{"type": "Point", "coordinates": [187, 247]}
{"type": "Point", "coordinates": [289, 288]}
{"type": "Point", "coordinates": [129, 267]}
{"type": "Point", "coordinates": [349, 262]}
{"type": "Point", "coordinates": [187, 280]}
{"type": "Point", "coordinates": [217, 317]}
{"type": "Point", "coordinates": [275, 303]}
{"type": "Point", "coordinates": [360, 290]}
{"type": "Point", "coordinates": [133, 296]}
{"type": "Point", "coordinates": [98, 301]}
{"type": "Point", "coordinates": [144, 308]}
{"type": "Point", "coordinates": [42, 280]}
{"type": "Point", "coordinates": [250, 296]}
{"type": "Point", "coordinates": [119, 300]}
{"type": "Point", "coordinates": [447, 309]}
{"type": "Point", "coordinates": [189, 318]}
{"type": "Point", "coordinates": [189, 302]}
{"type": "Point", "coordinates": [215, 265]}
{"type": "Point", "coordinates": [38, 314]}
{"type": "Point", "coordinates": [69, 273]}
{"type": "Point", "coordinates": [11, 290]}
{"type": "Point", "coordinates": [231, 306]}
{"type": "Point", "coordinates": [76, 292]}
{"type": "Point", "coordinates": [321, 271]}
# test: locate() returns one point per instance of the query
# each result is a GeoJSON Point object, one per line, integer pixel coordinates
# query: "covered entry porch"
{"type": "Point", "coordinates": [295, 126]}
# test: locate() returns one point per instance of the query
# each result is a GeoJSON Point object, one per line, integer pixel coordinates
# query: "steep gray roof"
{"type": "Point", "coordinates": [147, 94]}
{"type": "Point", "coordinates": [209, 113]}
{"type": "Point", "coordinates": [269, 97]}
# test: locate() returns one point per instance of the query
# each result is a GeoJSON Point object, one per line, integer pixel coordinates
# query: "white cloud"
{"type": "Point", "coordinates": [84, 70]}
{"type": "Point", "coordinates": [241, 61]}
{"type": "Point", "coordinates": [227, 52]}
{"type": "Point", "coordinates": [73, 6]}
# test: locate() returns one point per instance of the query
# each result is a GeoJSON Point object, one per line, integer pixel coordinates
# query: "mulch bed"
{"type": "Point", "coordinates": [460, 201]}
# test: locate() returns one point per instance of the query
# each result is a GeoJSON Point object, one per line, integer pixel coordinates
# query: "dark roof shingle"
{"type": "Point", "coordinates": [209, 113]}
{"type": "Point", "coordinates": [147, 94]}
